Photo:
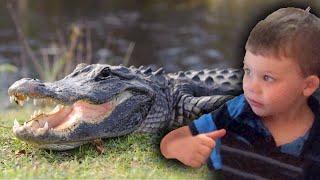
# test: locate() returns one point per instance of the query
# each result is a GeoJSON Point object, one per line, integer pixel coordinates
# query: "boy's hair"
{"type": "Point", "coordinates": [289, 32]}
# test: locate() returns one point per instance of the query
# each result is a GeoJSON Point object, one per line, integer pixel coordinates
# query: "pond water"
{"type": "Point", "coordinates": [176, 35]}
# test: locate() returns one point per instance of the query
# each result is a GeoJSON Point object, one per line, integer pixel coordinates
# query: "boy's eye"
{"type": "Point", "coordinates": [268, 78]}
{"type": "Point", "coordinates": [246, 70]}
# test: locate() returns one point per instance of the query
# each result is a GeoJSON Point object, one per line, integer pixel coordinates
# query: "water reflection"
{"type": "Point", "coordinates": [176, 35]}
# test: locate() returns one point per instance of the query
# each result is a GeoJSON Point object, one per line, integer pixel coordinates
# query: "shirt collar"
{"type": "Point", "coordinates": [314, 133]}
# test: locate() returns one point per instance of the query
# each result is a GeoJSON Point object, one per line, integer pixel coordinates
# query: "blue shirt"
{"type": "Point", "coordinates": [236, 115]}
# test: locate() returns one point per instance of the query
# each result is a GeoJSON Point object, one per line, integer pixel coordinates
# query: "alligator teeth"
{"type": "Point", "coordinates": [20, 99]}
{"type": "Point", "coordinates": [34, 114]}
{"type": "Point", "coordinates": [46, 125]}
{"type": "Point", "coordinates": [43, 130]}
{"type": "Point", "coordinates": [35, 102]}
{"type": "Point", "coordinates": [56, 109]}
{"type": "Point", "coordinates": [51, 102]}
{"type": "Point", "coordinates": [20, 102]}
{"type": "Point", "coordinates": [11, 99]}
{"type": "Point", "coordinates": [16, 124]}
{"type": "Point", "coordinates": [43, 101]}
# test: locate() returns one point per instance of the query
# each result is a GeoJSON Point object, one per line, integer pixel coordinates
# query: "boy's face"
{"type": "Point", "coordinates": [271, 85]}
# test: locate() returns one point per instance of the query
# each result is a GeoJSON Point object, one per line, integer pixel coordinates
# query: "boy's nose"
{"type": "Point", "coordinates": [253, 86]}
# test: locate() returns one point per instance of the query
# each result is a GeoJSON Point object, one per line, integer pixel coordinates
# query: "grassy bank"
{"type": "Point", "coordinates": [133, 156]}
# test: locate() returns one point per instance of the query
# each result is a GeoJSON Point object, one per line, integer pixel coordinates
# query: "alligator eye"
{"type": "Point", "coordinates": [105, 72]}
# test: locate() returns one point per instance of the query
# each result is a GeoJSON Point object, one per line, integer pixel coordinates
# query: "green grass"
{"type": "Point", "coordinates": [134, 156]}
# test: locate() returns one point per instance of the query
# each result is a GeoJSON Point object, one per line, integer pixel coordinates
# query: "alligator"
{"type": "Point", "coordinates": [100, 101]}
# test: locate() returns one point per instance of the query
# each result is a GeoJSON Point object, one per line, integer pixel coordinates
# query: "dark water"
{"type": "Point", "coordinates": [178, 35]}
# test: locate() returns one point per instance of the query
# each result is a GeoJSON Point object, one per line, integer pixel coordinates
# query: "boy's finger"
{"type": "Point", "coordinates": [216, 134]}
{"type": "Point", "coordinates": [207, 141]}
{"type": "Point", "coordinates": [205, 151]}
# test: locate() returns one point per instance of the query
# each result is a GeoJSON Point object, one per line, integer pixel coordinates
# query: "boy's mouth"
{"type": "Point", "coordinates": [254, 103]}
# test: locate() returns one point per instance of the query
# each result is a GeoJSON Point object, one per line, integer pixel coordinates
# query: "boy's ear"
{"type": "Point", "coordinates": [311, 85]}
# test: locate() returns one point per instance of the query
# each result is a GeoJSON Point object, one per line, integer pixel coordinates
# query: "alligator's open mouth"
{"type": "Point", "coordinates": [63, 118]}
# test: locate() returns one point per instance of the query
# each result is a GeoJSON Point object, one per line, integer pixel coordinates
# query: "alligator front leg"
{"type": "Point", "coordinates": [190, 107]}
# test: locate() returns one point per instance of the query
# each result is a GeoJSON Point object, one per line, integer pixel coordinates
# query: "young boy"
{"type": "Point", "coordinates": [281, 72]}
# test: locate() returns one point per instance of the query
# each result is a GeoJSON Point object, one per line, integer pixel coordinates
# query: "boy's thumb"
{"type": "Point", "coordinates": [216, 134]}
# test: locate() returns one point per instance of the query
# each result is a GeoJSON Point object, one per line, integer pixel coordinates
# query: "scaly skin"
{"type": "Point", "coordinates": [102, 101]}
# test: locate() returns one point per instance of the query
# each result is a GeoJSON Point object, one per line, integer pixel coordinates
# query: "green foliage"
{"type": "Point", "coordinates": [60, 58]}
{"type": "Point", "coordinates": [65, 59]}
{"type": "Point", "coordinates": [7, 68]}
{"type": "Point", "coordinates": [135, 156]}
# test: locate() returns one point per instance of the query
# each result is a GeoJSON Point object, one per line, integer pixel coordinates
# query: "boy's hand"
{"type": "Point", "coordinates": [190, 150]}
